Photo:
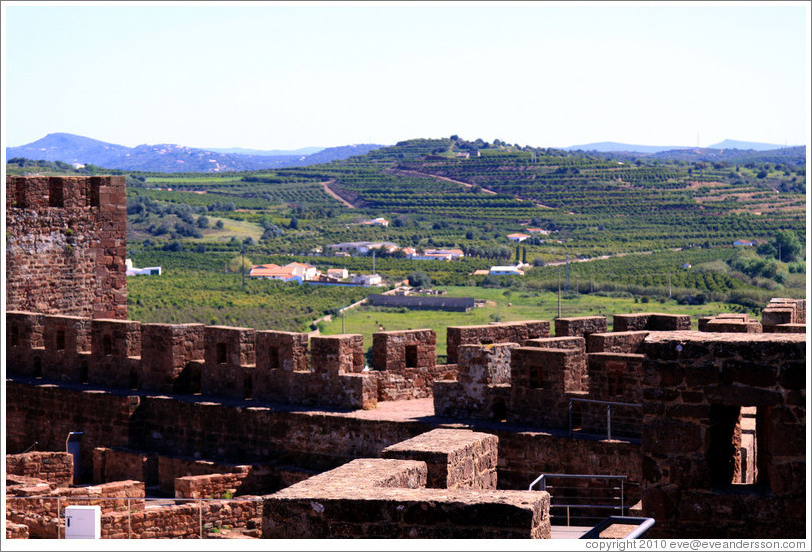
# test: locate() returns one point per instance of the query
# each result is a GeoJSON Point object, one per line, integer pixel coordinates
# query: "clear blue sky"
{"type": "Point", "coordinates": [285, 76]}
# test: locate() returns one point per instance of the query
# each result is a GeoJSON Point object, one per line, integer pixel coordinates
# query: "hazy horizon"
{"type": "Point", "coordinates": [320, 148]}
{"type": "Point", "coordinates": [270, 76]}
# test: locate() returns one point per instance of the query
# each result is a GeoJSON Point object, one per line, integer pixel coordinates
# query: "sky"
{"type": "Point", "coordinates": [292, 75]}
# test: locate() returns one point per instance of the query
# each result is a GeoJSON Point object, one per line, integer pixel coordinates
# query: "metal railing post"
{"type": "Point", "coordinates": [609, 422]}
{"type": "Point", "coordinates": [200, 510]}
{"type": "Point", "coordinates": [570, 416]}
{"type": "Point", "coordinates": [129, 520]}
{"type": "Point", "coordinates": [622, 505]}
{"type": "Point", "coordinates": [58, 519]}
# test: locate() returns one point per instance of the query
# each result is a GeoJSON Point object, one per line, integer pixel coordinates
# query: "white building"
{"type": "Point", "coordinates": [299, 272]}
{"type": "Point", "coordinates": [380, 221]}
{"type": "Point", "coordinates": [338, 273]}
{"type": "Point", "coordinates": [367, 279]}
{"type": "Point", "coordinates": [149, 271]}
{"type": "Point", "coordinates": [505, 270]}
{"type": "Point", "coordinates": [362, 247]}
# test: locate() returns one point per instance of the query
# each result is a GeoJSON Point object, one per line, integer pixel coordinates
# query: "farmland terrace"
{"type": "Point", "coordinates": [293, 437]}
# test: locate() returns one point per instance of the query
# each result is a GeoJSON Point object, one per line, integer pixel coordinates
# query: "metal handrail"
{"type": "Point", "coordinates": [643, 525]}
{"type": "Point", "coordinates": [541, 480]}
{"type": "Point", "coordinates": [609, 405]}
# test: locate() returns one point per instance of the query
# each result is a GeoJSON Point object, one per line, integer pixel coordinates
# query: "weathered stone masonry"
{"type": "Point", "coordinates": [695, 387]}
{"type": "Point", "coordinates": [66, 244]}
{"type": "Point", "coordinates": [202, 411]}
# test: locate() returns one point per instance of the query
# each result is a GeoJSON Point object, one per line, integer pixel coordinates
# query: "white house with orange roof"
{"type": "Point", "coordinates": [517, 237]}
{"type": "Point", "coordinates": [299, 272]}
{"type": "Point", "coordinates": [308, 271]}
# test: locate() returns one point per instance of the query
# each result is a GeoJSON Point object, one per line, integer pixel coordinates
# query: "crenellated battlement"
{"type": "Point", "coordinates": [39, 193]}
{"type": "Point", "coordinates": [531, 380]}
{"type": "Point", "coordinates": [221, 361]}
{"type": "Point", "coordinates": [66, 245]}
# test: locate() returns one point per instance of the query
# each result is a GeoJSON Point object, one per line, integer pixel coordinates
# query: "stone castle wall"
{"type": "Point", "coordinates": [695, 388]}
{"type": "Point", "coordinates": [52, 467]}
{"type": "Point", "coordinates": [501, 332]}
{"type": "Point", "coordinates": [66, 245]}
{"type": "Point", "coordinates": [220, 361]}
{"type": "Point", "coordinates": [229, 434]}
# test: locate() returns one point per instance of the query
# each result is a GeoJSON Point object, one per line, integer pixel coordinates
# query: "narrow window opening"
{"type": "Point", "coordinates": [576, 417]}
{"type": "Point", "coordinates": [486, 341]}
{"type": "Point", "coordinates": [83, 372]}
{"type": "Point", "coordinates": [37, 368]}
{"type": "Point", "coordinates": [749, 446]}
{"type": "Point", "coordinates": [107, 345]}
{"type": "Point", "coordinates": [273, 356]}
{"type": "Point", "coordinates": [60, 340]}
{"type": "Point", "coordinates": [56, 196]}
{"type": "Point", "coordinates": [15, 335]}
{"type": "Point", "coordinates": [19, 194]}
{"type": "Point", "coordinates": [733, 451]}
{"type": "Point", "coordinates": [614, 377]}
{"type": "Point", "coordinates": [247, 386]}
{"type": "Point", "coordinates": [221, 353]}
{"type": "Point", "coordinates": [411, 356]}
{"type": "Point", "coordinates": [93, 191]}
{"type": "Point", "coordinates": [499, 410]}
{"type": "Point", "coordinates": [133, 377]}
{"type": "Point", "coordinates": [536, 377]}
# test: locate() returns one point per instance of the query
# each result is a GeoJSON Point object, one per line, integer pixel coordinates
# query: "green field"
{"type": "Point", "coordinates": [505, 306]}
{"type": "Point", "coordinates": [656, 230]}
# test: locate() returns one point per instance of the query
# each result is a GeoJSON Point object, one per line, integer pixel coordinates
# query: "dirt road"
{"type": "Point", "coordinates": [331, 193]}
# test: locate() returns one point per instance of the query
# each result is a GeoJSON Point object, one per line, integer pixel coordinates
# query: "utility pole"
{"type": "Point", "coordinates": [567, 271]}
{"type": "Point", "coordinates": [591, 281]}
{"type": "Point", "coordinates": [559, 291]}
{"type": "Point", "coordinates": [242, 264]}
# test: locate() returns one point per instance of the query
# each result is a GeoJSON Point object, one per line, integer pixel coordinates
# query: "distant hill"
{"type": "Point", "coordinates": [609, 147]}
{"type": "Point", "coordinates": [795, 155]}
{"type": "Point", "coordinates": [738, 144]}
{"type": "Point", "coordinates": [617, 146]}
{"type": "Point", "coordinates": [248, 151]}
{"type": "Point", "coordinates": [71, 148]}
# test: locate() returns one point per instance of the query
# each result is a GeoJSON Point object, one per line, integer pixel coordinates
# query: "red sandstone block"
{"type": "Point", "coordinates": [502, 332]}
{"type": "Point", "coordinates": [450, 456]}
{"type": "Point", "coordinates": [616, 377]}
{"type": "Point", "coordinates": [722, 325]}
{"type": "Point", "coordinates": [337, 354]}
{"type": "Point", "coordinates": [616, 342]}
{"type": "Point", "coordinates": [787, 328]}
{"type": "Point", "coordinates": [580, 326]}
{"type": "Point", "coordinates": [557, 343]}
{"type": "Point", "coordinates": [399, 350]}
{"type": "Point", "coordinates": [281, 350]}
{"type": "Point", "coordinates": [115, 338]}
{"type": "Point", "coordinates": [167, 350]}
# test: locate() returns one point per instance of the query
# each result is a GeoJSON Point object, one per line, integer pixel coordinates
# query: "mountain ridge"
{"type": "Point", "coordinates": [609, 147]}
{"type": "Point", "coordinates": [73, 148]}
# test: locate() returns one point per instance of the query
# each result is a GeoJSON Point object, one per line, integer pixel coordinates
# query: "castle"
{"type": "Point", "coordinates": [297, 440]}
